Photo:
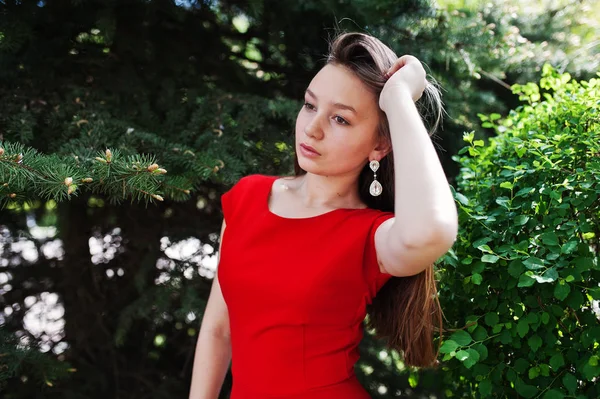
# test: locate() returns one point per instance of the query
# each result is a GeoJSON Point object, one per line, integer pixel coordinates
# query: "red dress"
{"type": "Point", "coordinates": [296, 291]}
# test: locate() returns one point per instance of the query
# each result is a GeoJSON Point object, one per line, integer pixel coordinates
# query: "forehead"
{"type": "Point", "coordinates": [337, 84]}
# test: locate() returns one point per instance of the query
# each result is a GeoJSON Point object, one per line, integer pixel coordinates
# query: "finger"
{"type": "Point", "coordinates": [405, 59]}
{"type": "Point", "coordinates": [399, 63]}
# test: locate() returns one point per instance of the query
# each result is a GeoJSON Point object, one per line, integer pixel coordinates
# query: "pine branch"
{"type": "Point", "coordinates": [17, 359]}
{"type": "Point", "coordinates": [27, 174]}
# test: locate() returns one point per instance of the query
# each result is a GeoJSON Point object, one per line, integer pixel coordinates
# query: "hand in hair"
{"type": "Point", "coordinates": [406, 74]}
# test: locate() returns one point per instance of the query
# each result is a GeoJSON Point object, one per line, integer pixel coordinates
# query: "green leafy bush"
{"type": "Point", "coordinates": [522, 279]}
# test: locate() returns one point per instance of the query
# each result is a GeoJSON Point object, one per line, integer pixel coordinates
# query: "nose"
{"type": "Point", "coordinates": [313, 128]}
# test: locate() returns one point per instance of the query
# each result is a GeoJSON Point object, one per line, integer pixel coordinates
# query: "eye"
{"type": "Point", "coordinates": [309, 106]}
{"type": "Point", "coordinates": [340, 120]}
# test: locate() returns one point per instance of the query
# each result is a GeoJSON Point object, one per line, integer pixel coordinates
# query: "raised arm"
{"type": "Point", "coordinates": [426, 221]}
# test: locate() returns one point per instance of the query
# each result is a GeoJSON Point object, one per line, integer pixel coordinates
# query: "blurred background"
{"type": "Point", "coordinates": [103, 283]}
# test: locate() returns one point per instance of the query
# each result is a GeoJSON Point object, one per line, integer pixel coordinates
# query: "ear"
{"type": "Point", "coordinates": [383, 147]}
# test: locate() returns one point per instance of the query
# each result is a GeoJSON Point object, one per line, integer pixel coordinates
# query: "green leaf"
{"type": "Point", "coordinates": [462, 355]}
{"type": "Point", "coordinates": [485, 248]}
{"type": "Point", "coordinates": [570, 382]}
{"type": "Point", "coordinates": [575, 299]}
{"type": "Point", "coordinates": [503, 202]}
{"type": "Point", "coordinates": [480, 334]}
{"type": "Point", "coordinates": [561, 290]}
{"type": "Point", "coordinates": [549, 238]}
{"type": "Point", "coordinates": [545, 317]}
{"type": "Point", "coordinates": [533, 372]}
{"type": "Point", "coordinates": [461, 198]}
{"type": "Point", "coordinates": [535, 342]}
{"type": "Point", "coordinates": [481, 241]}
{"type": "Point", "coordinates": [461, 337]}
{"type": "Point", "coordinates": [548, 276]}
{"type": "Point", "coordinates": [476, 278]}
{"type": "Point", "coordinates": [589, 336]}
{"type": "Point", "coordinates": [583, 264]}
{"type": "Point", "coordinates": [485, 388]}
{"type": "Point", "coordinates": [542, 279]}
{"type": "Point", "coordinates": [522, 327]}
{"type": "Point", "coordinates": [569, 247]}
{"type": "Point", "coordinates": [553, 394]}
{"type": "Point", "coordinates": [556, 195]}
{"type": "Point", "coordinates": [532, 318]}
{"type": "Point", "coordinates": [448, 346]}
{"type": "Point", "coordinates": [526, 280]}
{"type": "Point", "coordinates": [511, 375]}
{"type": "Point", "coordinates": [413, 380]}
{"type": "Point", "coordinates": [551, 274]}
{"type": "Point", "coordinates": [482, 350]}
{"type": "Point", "coordinates": [553, 256]}
{"type": "Point", "coordinates": [515, 268]}
{"type": "Point", "coordinates": [593, 361]}
{"type": "Point", "coordinates": [589, 371]}
{"type": "Point", "coordinates": [478, 267]}
{"type": "Point", "coordinates": [525, 191]}
{"type": "Point", "coordinates": [521, 220]}
{"type": "Point", "coordinates": [489, 258]}
{"type": "Point", "coordinates": [507, 185]}
{"type": "Point", "coordinates": [491, 319]}
{"type": "Point", "coordinates": [472, 359]}
{"type": "Point", "coordinates": [534, 263]}
{"type": "Point", "coordinates": [467, 261]}
{"type": "Point", "coordinates": [472, 322]}
{"type": "Point", "coordinates": [521, 365]}
{"type": "Point", "coordinates": [525, 390]}
{"type": "Point", "coordinates": [557, 361]}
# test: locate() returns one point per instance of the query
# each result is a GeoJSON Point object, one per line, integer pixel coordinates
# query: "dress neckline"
{"type": "Point", "coordinates": [269, 188]}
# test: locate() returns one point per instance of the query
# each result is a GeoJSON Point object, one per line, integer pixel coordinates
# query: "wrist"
{"type": "Point", "coordinates": [392, 97]}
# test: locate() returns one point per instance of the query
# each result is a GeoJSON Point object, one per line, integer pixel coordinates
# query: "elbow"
{"type": "Point", "coordinates": [220, 333]}
{"type": "Point", "coordinates": [437, 235]}
{"type": "Point", "coordinates": [447, 234]}
{"type": "Point", "coordinates": [413, 249]}
{"type": "Point", "coordinates": [412, 256]}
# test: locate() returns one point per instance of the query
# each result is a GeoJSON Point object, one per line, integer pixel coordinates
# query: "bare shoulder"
{"type": "Point", "coordinates": [284, 183]}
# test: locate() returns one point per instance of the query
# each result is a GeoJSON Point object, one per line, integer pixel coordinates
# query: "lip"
{"type": "Point", "coordinates": [308, 150]}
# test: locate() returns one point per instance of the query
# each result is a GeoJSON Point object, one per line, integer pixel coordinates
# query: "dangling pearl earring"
{"type": "Point", "coordinates": [375, 189]}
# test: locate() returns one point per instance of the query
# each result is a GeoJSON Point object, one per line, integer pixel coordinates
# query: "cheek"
{"type": "Point", "coordinates": [301, 122]}
{"type": "Point", "coordinates": [353, 150]}
{"type": "Point", "coordinates": [355, 144]}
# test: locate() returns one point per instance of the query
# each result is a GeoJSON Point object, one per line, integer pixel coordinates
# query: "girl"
{"type": "Point", "coordinates": [302, 258]}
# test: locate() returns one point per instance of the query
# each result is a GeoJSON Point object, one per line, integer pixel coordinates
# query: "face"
{"type": "Point", "coordinates": [339, 120]}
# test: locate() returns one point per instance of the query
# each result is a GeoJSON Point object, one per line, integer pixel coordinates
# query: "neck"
{"type": "Point", "coordinates": [316, 191]}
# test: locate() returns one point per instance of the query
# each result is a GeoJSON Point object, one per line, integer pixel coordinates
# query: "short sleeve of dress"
{"type": "Point", "coordinates": [231, 199]}
{"type": "Point", "coordinates": [375, 278]}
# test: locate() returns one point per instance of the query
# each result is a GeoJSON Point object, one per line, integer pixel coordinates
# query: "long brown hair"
{"type": "Point", "coordinates": [406, 311]}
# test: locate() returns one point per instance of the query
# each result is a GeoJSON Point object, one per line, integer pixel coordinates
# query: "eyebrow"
{"type": "Point", "coordinates": [337, 105]}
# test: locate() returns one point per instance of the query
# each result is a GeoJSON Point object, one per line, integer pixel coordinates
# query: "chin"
{"type": "Point", "coordinates": [306, 165]}
{"type": "Point", "coordinates": [310, 166]}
